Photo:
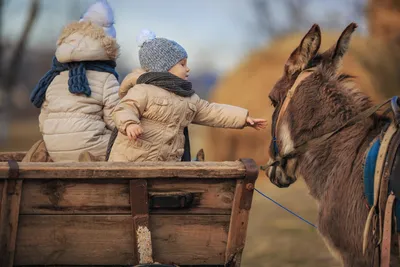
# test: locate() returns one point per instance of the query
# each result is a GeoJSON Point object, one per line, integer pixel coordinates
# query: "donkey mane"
{"type": "Point", "coordinates": [344, 96]}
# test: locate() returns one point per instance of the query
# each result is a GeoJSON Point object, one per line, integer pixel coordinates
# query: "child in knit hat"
{"type": "Point", "coordinates": [78, 94]}
{"type": "Point", "coordinates": [158, 103]}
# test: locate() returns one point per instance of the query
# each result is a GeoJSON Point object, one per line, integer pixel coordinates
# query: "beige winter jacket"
{"type": "Point", "coordinates": [71, 123]}
{"type": "Point", "coordinates": [163, 116]}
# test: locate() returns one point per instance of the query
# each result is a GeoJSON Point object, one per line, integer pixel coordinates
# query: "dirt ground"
{"type": "Point", "coordinates": [274, 238]}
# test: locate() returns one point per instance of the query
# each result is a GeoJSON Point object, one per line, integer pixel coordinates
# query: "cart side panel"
{"type": "Point", "coordinates": [81, 214]}
{"type": "Point", "coordinates": [107, 239]}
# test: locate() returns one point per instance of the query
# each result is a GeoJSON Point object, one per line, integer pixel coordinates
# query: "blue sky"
{"type": "Point", "coordinates": [218, 32]}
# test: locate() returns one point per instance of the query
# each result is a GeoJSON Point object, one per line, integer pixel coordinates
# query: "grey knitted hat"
{"type": "Point", "coordinates": [158, 54]}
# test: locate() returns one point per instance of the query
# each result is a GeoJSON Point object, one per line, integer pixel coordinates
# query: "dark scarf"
{"type": "Point", "coordinates": [77, 82]}
{"type": "Point", "coordinates": [170, 83]}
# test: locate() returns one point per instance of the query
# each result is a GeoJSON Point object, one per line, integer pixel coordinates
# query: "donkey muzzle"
{"type": "Point", "coordinates": [277, 175]}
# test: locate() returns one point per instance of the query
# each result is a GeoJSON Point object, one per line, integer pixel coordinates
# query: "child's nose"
{"type": "Point", "coordinates": [187, 70]}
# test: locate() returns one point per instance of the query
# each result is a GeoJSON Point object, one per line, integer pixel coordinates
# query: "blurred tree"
{"type": "Point", "coordinates": [9, 70]}
{"type": "Point", "coordinates": [277, 18]}
{"type": "Point", "coordinates": [383, 17]}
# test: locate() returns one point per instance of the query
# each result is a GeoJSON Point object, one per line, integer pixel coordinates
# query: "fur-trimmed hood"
{"type": "Point", "coordinates": [85, 41]}
{"type": "Point", "coordinates": [129, 81]}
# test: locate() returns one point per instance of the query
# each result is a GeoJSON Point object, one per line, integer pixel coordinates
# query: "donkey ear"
{"type": "Point", "coordinates": [333, 56]}
{"type": "Point", "coordinates": [307, 49]}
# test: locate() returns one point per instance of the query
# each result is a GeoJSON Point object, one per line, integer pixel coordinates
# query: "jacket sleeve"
{"type": "Point", "coordinates": [110, 100]}
{"type": "Point", "coordinates": [219, 115]}
{"type": "Point", "coordinates": [130, 109]}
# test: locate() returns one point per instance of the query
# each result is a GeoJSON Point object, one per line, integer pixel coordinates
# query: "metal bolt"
{"type": "Point", "coordinates": [249, 186]}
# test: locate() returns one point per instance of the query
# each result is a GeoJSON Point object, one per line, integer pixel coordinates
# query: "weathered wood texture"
{"type": "Point", "coordinates": [142, 246]}
{"type": "Point", "coordinates": [112, 197]}
{"type": "Point", "coordinates": [238, 229]}
{"type": "Point", "coordinates": [85, 213]}
{"type": "Point", "coordinates": [240, 214]}
{"type": "Point", "coordinates": [127, 170]}
{"type": "Point", "coordinates": [103, 239]}
{"type": "Point", "coordinates": [18, 156]}
{"type": "Point", "coordinates": [9, 215]}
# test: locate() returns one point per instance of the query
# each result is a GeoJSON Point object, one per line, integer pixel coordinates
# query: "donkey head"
{"type": "Point", "coordinates": [317, 106]}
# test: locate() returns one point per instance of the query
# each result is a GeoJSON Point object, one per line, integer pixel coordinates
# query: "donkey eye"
{"type": "Point", "coordinates": [273, 101]}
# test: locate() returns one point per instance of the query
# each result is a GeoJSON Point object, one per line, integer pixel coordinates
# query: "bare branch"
{"type": "Point", "coordinates": [295, 17]}
{"type": "Point", "coordinates": [1, 36]}
{"type": "Point", "coordinates": [17, 56]}
{"type": "Point", "coordinates": [265, 20]}
{"type": "Point", "coordinates": [263, 17]}
{"type": "Point", "coordinates": [295, 14]}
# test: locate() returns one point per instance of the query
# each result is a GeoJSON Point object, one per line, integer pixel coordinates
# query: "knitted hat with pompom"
{"type": "Point", "coordinates": [158, 54]}
{"type": "Point", "coordinates": [101, 14]}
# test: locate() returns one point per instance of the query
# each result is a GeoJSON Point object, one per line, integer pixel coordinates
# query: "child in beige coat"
{"type": "Point", "coordinates": [158, 103]}
{"type": "Point", "coordinates": [77, 96]}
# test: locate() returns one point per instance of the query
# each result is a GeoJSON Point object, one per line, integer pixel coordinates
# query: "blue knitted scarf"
{"type": "Point", "coordinates": [77, 82]}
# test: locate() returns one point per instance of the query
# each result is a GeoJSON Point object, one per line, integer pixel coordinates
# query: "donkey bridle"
{"type": "Point", "coordinates": [280, 161]}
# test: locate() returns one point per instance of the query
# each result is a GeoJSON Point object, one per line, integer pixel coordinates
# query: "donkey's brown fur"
{"type": "Point", "coordinates": [333, 169]}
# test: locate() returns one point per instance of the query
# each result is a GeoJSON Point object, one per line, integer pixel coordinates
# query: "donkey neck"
{"type": "Point", "coordinates": [338, 158]}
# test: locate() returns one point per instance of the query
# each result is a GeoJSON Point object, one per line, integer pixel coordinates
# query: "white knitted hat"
{"type": "Point", "coordinates": [101, 13]}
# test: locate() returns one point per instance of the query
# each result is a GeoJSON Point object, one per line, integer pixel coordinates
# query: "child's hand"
{"type": "Point", "coordinates": [257, 124]}
{"type": "Point", "coordinates": [133, 131]}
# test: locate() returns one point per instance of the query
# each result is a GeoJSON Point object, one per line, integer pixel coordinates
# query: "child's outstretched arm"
{"type": "Point", "coordinates": [129, 110]}
{"type": "Point", "coordinates": [224, 116]}
{"type": "Point", "coordinates": [110, 100]}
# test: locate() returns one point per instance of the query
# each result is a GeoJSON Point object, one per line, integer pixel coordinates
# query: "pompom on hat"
{"type": "Point", "coordinates": [101, 14]}
{"type": "Point", "coordinates": [158, 54]}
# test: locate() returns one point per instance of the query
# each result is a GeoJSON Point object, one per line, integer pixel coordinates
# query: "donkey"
{"type": "Point", "coordinates": [323, 101]}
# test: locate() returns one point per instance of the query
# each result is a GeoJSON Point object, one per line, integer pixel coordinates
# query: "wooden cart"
{"type": "Point", "coordinates": [103, 213]}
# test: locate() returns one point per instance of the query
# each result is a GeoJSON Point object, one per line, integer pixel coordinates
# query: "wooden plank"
{"type": "Point", "coordinates": [74, 240]}
{"type": "Point", "coordinates": [17, 156]}
{"type": "Point", "coordinates": [75, 197]}
{"type": "Point", "coordinates": [107, 240]}
{"type": "Point", "coordinates": [190, 239]}
{"type": "Point", "coordinates": [127, 170]}
{"type": "Point", "coordinates": [142, 246]}
{"type": "Point", "coordinates": [3, 183]}
{"type": "Point", "coordinates": [237, 229]}
{"type": "Point", "coordinates": [9, 215]}
{"type": "Point", "coordinates": [211, 196]}
{"type": "Point", "coordinates": [3, 222]}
